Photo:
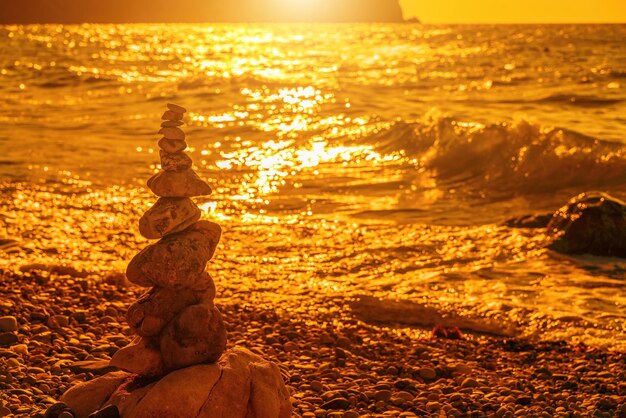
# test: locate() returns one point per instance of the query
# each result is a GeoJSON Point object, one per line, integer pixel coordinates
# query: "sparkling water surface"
{"type": "Point", "coordinates": [346, 159]}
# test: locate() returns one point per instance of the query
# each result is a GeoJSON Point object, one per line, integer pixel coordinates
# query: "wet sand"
{"type": "Point", "coordinates": [335, 365]}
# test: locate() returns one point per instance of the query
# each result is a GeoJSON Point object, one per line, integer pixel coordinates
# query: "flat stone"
{"type": "Point", "coordinates": [98, 367]}
{"type": "Point", "coordinates": [178, 161]}
{"type": "Point", "coordinates": [169, 115]}
{"type": "Point", "coordinates": [141, 357]}
{"type": "Point", "coordinates": [178, 260]}
{"type": "Point", "coordinates": [172, 123]}
{"type": "Point", "coordinates": [184, 183]}
{"type": "Point", "coordinates": [156, 308]}
{"type": "Point", "coordinates": [168, 215]}
{"type": "Point", "coordinates": [173, 133]}
{"type": "Point", "coordinates": [88, 397]}
{"type": "Point", "coordinates": [197, 335]}
{"type": "Point", "coordinates": [176, 108]}
{"type": "Point", "coordinates": [172, 146]}
{"type": "Point", "coordinates": [8, 324]}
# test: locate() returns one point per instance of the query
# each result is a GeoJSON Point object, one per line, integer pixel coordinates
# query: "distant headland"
{"type": "Point", "coordinates": [200, 11]}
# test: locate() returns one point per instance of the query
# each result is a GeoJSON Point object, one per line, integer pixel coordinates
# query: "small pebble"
{"type": "Point", "coordinates": [8, 324]}
{"type": "Point", "coordinates": [427, 373]}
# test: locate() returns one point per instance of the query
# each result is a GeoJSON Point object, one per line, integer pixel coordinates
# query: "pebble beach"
{"type": "Point", "coordinates": [335, 365]}
{"type": "Point", "coordinates": [364, 179]}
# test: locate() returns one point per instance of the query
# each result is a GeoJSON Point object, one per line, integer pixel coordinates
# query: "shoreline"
{"type": "Point", "coordinates": [338, 366]}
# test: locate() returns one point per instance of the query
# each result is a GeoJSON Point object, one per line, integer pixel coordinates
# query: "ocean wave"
{"type": "Point", "coordinates": [62, 76]}
{"type": "Point", "coordinates": [617, 74]}
{"type": "Point", "coordinates": [512, 157]}
{"type": "Point", "coordinates": [582, 100]}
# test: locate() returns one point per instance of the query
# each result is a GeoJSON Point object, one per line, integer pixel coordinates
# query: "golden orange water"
{"type": "Point", "coordinates": [346, 160]}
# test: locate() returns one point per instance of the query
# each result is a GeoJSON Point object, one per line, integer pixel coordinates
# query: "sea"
{"type": "Point", "coordinates": [347, 160]}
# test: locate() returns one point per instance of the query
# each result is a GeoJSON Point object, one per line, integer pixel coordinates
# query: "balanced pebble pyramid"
{"type": "Point", "coordinates": [176, 322]}
{"type": "Point", "coordinates": [177, 366]}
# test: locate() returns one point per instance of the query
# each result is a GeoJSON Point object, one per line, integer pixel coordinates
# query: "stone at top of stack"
{"type": "Point", "coordinates": [176, 322]}
{"type": "Point", "coordinates": [177, 178]}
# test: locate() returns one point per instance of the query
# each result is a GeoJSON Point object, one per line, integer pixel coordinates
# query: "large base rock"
{"type": "Point", "coordinates": [590, 223]}
{"type": "Point", "coordinates": [240, 385]}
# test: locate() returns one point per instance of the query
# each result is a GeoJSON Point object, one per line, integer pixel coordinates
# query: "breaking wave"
{"type": "Point", "coordinates": [517, 157]}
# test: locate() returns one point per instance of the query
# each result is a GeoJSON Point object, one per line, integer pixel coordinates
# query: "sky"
{"type": "Point", "coordinates": [515, 11]}
{"type": "Point", "coordinates": [428, 11]}
{"type": "Point", "coordinates": [118, 11]}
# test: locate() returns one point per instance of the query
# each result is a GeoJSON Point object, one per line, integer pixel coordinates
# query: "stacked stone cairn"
{"type": "Point", "coordinates": [176, 322]}
{"type": "Point", "coordinates": [177, 365]}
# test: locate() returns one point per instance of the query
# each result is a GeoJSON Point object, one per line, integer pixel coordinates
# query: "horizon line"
{"type": "Point", "coordinates": [406, 21]}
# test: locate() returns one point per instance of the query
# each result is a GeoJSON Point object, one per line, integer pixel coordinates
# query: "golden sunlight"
{"type": "Point", "coordinates": [354, 215]}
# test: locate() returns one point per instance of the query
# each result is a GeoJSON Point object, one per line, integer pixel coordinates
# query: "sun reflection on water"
{"type": "Point", "coordinates": [279, 121]}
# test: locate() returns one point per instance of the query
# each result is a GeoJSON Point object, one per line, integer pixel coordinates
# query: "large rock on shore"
{"type": "Point", "coordinates": [240, 385]}
{"type": "Point", "coordinates": [178, 260]}
{"type": "Point", "coordinates": [590, 223]}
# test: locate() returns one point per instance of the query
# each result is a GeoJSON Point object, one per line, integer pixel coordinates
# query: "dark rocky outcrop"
{"type": "Point", "coordinates": [590, 223]}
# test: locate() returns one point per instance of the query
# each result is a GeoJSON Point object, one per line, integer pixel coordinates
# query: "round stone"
{"type": "Point", "coordinates": [178, 161]}
{"type": "Point", "coordinates": [197, 335]}
{"type": "Point", "coordinates": [185, 183]}
{"type": "Point", "coordinates": [156, 308]}
{"type": "Point", "coordinates": [172, 146]}
{"type": "Point", "coordinates": [168, 215]}
{"type": "Point", "coordinates": [173, 133]}
{"type": "Point", "coordinates": [177, 261]}
{"type": "Point", "coordinates": [8, 324]}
